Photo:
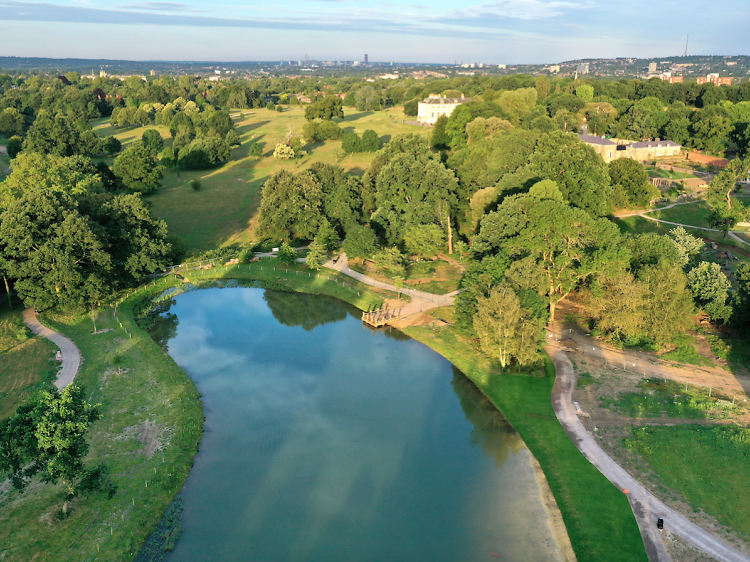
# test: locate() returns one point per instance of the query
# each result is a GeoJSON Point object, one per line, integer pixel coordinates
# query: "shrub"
{"type": "Point", "coordinates": [195, 184]}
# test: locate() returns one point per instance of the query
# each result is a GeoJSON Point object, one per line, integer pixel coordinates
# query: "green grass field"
{"type": "Point", "coordinates": [223, 211]}
{"type": "Point", "coordinates": [597, 515]}
{"type": "Point", "coordinates": [655, 172]}
{"type": "Point", "coordinates": [707, 465]}
{"type": "Point", "coordinates": [694, 214]}
{"type": "Point", "coordinates": [670, 399]}
{"type": "Point", "coordinates": [141, 392]}
{"type": "Point", "coordinates": [28, 362]}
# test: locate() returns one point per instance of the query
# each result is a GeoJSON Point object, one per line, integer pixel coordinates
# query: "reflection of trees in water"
{"type": "Point", "coordinates": [162, 324]}
{"type": "Point", "coordinates": [306, 311]}
{"type": "Point", "coordinates": [492, 432]}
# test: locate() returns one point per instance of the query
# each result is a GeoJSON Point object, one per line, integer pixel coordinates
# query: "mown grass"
{"type": "Point", "coordinates": [224, 209]}
{"type": "Point", "coordinates": [661, 398]}
{"type": "Point", "coordinates": [695, 214]}
{"type": "Point", "coordinates": [135, 382]}
{"type": "Point", "coordinates": [655, 172]}
{"type": "Point", "coordinates": [639, 225]}
{"type": "Point", "coordinates": [433, 276]}
{"type": "Point", "coordinates": [707, 465]}
{"type": "Point", "coordinates": [27, 362]}
{"type": "Point", "coordinates": [597, 515]}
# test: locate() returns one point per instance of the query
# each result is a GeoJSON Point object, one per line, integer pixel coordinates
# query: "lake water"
{"type": "Point", "coordinates": [326, 442]}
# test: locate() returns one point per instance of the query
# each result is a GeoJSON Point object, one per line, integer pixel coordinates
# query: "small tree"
{"type": "Point", "coordinates": [507, 331]}
{"type": "Point", "coordinates": [351, 142]}
{"type": "Point", "coordinates": [327, 236]}
{"type": "Point", "coordinates": [316, 255]}
{"type": "Point", "coordinates": [138, 168]}
{"type": "Point", "coordinates": [370, 141]}
{"type": "Point", "coordinates": [111, 145]}
{"type": "Point", "coordinates": [424, 240]}
{"type": "Point", "coordinates": [283, 152]}
{"type": "Point", "coordinates": [390, 260]}
{"type": "Point", "coordinates": [15, 145]}
{"type": "Point", "coordinates": [152, 138]}
{"type": "Point", "coordinates": [270, 105]}
{"type": "Point", "coordinates": [195, 184]}
{"type": "Point", "coordinates": [233, 139]}
{"type": "Point", "coordinates": [256, 150]}
{"type": "Point", "coordinates": [287, 254]}
{"type": "Point", "coordinates": [279, 108]}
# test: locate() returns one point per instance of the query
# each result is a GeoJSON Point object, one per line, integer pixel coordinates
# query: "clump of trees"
{"type": "Point", "coordinates": [369, 142]}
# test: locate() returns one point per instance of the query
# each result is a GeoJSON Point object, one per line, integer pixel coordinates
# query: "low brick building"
{"type": "Point", "coordinates": [716, 80]}
{"type": "Point", "coordinates": [434, 106]}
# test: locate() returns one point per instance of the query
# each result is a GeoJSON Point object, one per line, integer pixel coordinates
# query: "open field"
{"type": "Point", "coordinates": [433, 276]}
{"type": "Point", "coordinates": [597, 515]}
{"type": "Point", "coordinates": [222, 212]}
{"type": "Point", "coordinates": [691, 213]}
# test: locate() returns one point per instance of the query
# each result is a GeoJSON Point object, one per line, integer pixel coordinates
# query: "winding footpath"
{"type": "Point", "coordinates": [71, 357]}
{"type": "Point", "coordinates": [646, 507]}
{"type": "Point", "coordinates": [421, 300]}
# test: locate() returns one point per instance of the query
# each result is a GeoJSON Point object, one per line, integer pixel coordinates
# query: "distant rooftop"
{"type": "Point", "coordinates": [441, 101]}
{"type": "Point", "coordinates": [653, 144]}
{"type": "Point", "coordinates": [593, 139]}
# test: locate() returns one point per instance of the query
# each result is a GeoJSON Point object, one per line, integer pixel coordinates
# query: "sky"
{"type": "Point", "coordinates": [439, 31]}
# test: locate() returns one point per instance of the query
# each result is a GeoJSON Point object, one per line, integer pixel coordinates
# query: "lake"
{"type": "Point", "coordinates": [327, 442]}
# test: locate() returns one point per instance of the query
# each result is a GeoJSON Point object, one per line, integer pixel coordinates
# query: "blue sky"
{"type": "Point", "coordinates": [504, 31]}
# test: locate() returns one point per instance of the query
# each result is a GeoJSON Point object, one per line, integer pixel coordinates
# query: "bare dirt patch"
{"type": "Point", "coordinates": [596, 380]}
{"type": "Point", "coordinates": [149, 433]}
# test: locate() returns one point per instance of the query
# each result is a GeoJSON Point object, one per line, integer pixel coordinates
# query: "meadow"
{"type": "Point", "coordinates": [223, 211]}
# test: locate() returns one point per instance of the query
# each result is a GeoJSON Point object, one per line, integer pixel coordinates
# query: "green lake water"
{"type": "Point", "coordinates": [326, 442]}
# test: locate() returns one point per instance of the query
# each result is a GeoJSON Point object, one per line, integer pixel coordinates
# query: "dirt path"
{"type": "Point", "coordinates": [646, 507]}
{"type": "Point", "coordinates": [420, 300]}
{"type": "Point", "coordinates": [71, 357]}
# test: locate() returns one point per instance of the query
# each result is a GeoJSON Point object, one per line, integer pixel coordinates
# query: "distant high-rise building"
{"type": "Point", "coordinates": [583, 68]}
{"type": "Point", "coordinates": [366, 59]}
{"type": "Point", "coordinates": [652, 67]}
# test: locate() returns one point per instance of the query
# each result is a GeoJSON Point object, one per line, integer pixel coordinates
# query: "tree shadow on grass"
{"type": "Point", "coordinates": [243, 129]}
{"type": "Point", "coordinates": [360, 115]}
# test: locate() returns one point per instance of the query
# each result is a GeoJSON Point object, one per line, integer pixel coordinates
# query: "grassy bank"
{"type": "Point", "coordinates": [707, 465]}
{"type": "Point", "coordinates": [597, 515]}
{"type": "Point", "coordinates": [151, 426]}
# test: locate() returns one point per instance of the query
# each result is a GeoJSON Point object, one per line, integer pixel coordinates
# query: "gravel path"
{"type": "Point", "coordinates": [71, 357]}
{"type": "Point", "coordinates": [421, 300]}
{"type": "Point", "coordinates": [646, 507]}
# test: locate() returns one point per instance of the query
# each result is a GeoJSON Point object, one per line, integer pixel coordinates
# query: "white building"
{"type": "Point", "coordinates": [434, 106]}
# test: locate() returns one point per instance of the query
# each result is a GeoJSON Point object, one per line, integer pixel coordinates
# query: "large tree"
{"type": "Point", "coordinates": [291, 205]}
{"type": "Point", "coordinates": [47, 436]}
{"type": "Point", "coordinates": [554, 247]}
{"type": "Point", "coordinates": [579, 171]}
{"type": "Point", "coordinates": [138, 168]}
{"type": "Point", "coordinates": [630, 180]}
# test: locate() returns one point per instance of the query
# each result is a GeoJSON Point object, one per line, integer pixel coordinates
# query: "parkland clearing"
{"type": "Point", "coordinates": [123, 199]}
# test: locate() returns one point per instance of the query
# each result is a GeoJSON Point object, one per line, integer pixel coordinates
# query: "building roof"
{"type": "Point", "coordinates": [443, 101]}
{"type": "Point", "coordinates": [593, 139]}
{"type": "Point", "coordinates": [653, 144]}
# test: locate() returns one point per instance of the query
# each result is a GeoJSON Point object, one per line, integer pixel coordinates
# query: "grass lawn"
{"type": "Point", "coordinates": [152, 423]}
{"type": "Point", "coordinates": [639, 225]}
{"type": "Point", "coordinates": [438, 277]}
{"type": "Point", "coordinates": [706, 464]}
{"type": "Point", "coordinates": [655, 172]}
{"type": "Point", "coordinates": [223, 211]}
{"type": "Point", "coordinates": [694, 214]}
{"type": "Point", "coordinates": [597, 515]}
{"type": "Point", "coordinates": [670, 399]}
{"type": "Point", "coordinates": [27, 361]}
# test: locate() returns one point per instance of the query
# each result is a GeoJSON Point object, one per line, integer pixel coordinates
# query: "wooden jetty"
{"type": "Point", "coordinates": [380, 316]}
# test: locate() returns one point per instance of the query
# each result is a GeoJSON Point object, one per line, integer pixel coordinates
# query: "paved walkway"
{"type": "Point", "coordinates": [420, 300]}
{"type": "Point", "coordinates": [646, 507]}
{"type": "Point", "coordinates": [71, 357]}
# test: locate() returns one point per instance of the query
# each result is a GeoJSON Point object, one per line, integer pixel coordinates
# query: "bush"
{"type": "Point", "coordinates": [270, 105]}
{"type": "Point", "coordinates": [370, 141]}
{"type": "Point", "coordinates": [195, 184]}
{"type": "Point", "coordinates": [322, 131]}
{"type": "Point", "coordinates": [351, 143]}
{"type": "Point", "coordinates": [256, 150]}
{"type": "Point", "coordinates": [283, 152]}
{"type": "Point", "coordinates": [15, 144]}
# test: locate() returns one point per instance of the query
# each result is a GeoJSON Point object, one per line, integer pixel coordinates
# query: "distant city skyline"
{"type": "Point", "coordinates": [505, 31]}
